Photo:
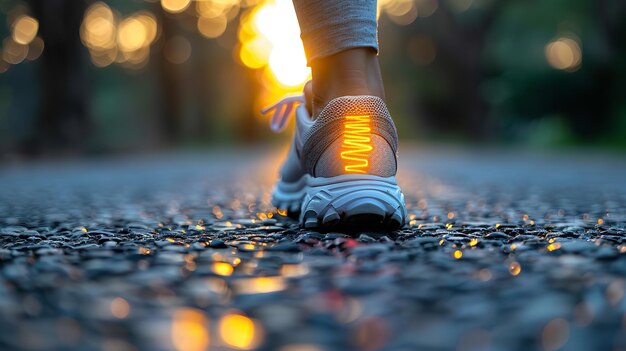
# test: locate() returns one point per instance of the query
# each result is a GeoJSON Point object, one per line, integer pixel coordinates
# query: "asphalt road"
{"type": "Point", "coordinates": [505, 250]}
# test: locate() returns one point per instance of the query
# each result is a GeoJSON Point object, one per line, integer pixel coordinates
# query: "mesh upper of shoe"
{"type": "Point", "coordinates": [323, 140]}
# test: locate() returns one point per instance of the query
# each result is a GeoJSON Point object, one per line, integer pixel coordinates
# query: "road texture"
{"type": "Point", "coordinates": [504, 250]}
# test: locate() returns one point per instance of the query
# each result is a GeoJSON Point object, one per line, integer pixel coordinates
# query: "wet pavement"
{"type": "Point", "coordinates": [504, 251]}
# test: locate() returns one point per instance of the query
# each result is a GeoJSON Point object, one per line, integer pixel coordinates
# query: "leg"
{"type": "Point", "coordinates": [340, 171]}
{"type": "Point", "coordinates": [339, 38]}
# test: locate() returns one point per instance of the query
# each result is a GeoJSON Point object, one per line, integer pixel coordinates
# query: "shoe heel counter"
{"type": "Point", "coordinates": [352, 135]}
{"type": "Point", "coordinates": [365, 153]}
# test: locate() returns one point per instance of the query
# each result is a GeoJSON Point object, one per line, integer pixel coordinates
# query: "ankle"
{"type": "Point", "coordinates": [351, 72]}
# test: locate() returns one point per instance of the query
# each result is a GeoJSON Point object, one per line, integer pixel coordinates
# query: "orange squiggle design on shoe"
{"type": "Point", "coordinates": [357, 144]}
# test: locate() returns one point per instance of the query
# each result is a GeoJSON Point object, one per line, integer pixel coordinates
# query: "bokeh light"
{"type": "Point", "coordinates": [98, 28]}
{"type": "Point", "coordinates": [564, 54]}
{"type": "Point", "coordinates": [131, 35]}
{"type": "Point", "coordinates": [111, 40]}
{"type": "Point", "coordinates": [35, 49]}
{"type": "Point", "coordinates": [190, 330]}
{"type": "Point", "coordinates": [175, 6]}
{"type": "Point", "coordinates": [260, 285]}
{"type": "Point", "coordinates": [274, 47]}
{"type": "Point", "coordinates": [239, 331]}
{"type": "Point", "coordinates": [25, 29]}
{"type": "Point", "coordinates": [212, 27]}
{"type": "Point", "coordinates": [120, 308]}
{"type": "Point", "coordinates": [222, 268]}
{"type": "Point", "coordinates": [13, 52]}
{"type": "Point", "coordinates": [267, 45]}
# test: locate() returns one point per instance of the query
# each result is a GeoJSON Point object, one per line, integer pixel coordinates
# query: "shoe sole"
{"type": "Point", "coordinates": [346, 202]}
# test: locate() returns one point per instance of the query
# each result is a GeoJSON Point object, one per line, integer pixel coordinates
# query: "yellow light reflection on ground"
{"type": "Point", "coordinates": [260, 285]}
{"type": "Point", "coordinates": [189, 330]}
{"type": "Point", "coordinates": [239, 331]}
{"type": "Point", "coordinates": [515, 268]}
{"type": "Point", "coordinates": [294, 270]}
{"type": "Point", "coordinates": [120, 308]}
{"type": "Point", "coordinates": [222, 268]}
{"type": "Point", "coordinates": [553, 247]}
{"type": "Point", "coordinates": [24, 29]}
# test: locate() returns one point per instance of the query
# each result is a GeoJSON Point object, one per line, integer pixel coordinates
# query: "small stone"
{"type": "Point", "coordinates": [285, 247]}
{"type": "Point", "coordinates": [218, 244]}
{"type": "Point", "coordinates": [497, 236]}
{"type": "Point", "coordinates": [364, 238]}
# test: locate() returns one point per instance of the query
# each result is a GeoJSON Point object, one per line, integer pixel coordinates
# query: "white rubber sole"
{"type": "Point", "coordinates": [348, 201]}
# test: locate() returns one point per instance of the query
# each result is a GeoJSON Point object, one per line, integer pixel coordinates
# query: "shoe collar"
{"type": "Point", "coordinates": [303, 124]}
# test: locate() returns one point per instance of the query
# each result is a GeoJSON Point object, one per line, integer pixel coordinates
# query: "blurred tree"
{"type": "Point", "coordinates": [524, 87]}
{"type": "Point", "coordinates": [63, 122]}
{"type": "Point", "coordinates": [460, 39]}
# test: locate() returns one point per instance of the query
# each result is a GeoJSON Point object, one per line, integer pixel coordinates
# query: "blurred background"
{"type": "Point", "coordinates": [119, 76]}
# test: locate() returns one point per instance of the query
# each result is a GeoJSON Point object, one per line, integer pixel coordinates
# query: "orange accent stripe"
{"type": "Point", "coordinates": [357, 144]}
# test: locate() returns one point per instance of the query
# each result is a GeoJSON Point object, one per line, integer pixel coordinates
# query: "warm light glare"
{"type": "Point", "coordinates": [357, 144]}
{"type": "Point", "coordinates": [189, 330]}
{"type": "Point", "coordinates": [239, 331]}
{"type": "Point", "coordinates": [288, 65]}
{"type": "Point", "coordinates": [25, 29]}
{"type": "Point", "coordinates": [564, 54]}
{"type": "Point", "coordinates": [266, 41]}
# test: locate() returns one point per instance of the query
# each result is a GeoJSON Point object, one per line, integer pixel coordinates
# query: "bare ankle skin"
{"type": "Point", "coordinates": [351, 72]}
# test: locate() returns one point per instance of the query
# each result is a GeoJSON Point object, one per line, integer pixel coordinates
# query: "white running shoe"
{"type": "Point", "coordinates": [341, 167]}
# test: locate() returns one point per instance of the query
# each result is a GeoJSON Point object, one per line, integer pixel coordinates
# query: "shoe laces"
{"type": "Point", "coordinates": [283, 109]}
